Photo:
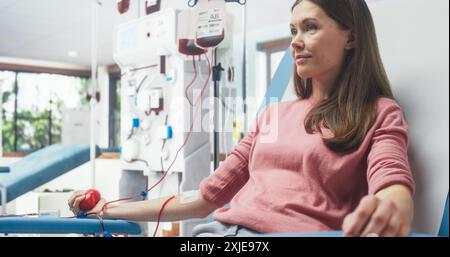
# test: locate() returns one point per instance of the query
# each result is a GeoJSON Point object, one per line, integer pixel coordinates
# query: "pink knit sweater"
{"type": "Point", "coordinates": [281, 179]}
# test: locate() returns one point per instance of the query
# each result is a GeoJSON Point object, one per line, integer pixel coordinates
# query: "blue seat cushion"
{"type": "Point", "coordinates": [42, 166]}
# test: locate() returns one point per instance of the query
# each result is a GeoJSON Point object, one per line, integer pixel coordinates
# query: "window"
{"type": "Point", "coordinates": [32, 108]}
{"type": "Point", "coordinates": [7, 83]}
{"type": "Point", "coordinates": [269, 57]}
{"type": "Point", "coordinates": [114, 111]}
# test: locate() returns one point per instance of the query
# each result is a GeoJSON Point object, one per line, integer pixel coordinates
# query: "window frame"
{"type": "Point", "coordinates": [270, 47]}
{"type": "Point", "coordinates": [18, 68]}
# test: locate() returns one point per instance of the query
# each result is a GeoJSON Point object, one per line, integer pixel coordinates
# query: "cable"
{"type": "Point", "coordinates": [192, 82]}
{"type": "Point", "coordinates": [189, 134]}
{"type": "Point", "coordinates": [139, 160]}
{"type": "Point", "coordinates": [164, 140]}
{"type": "Point", "coordinates": [145, 67]}
{"type": "Point", "coordinates": [196, 106]}
{"type": "Point", "coordinates": [192, 124]}
{"type": "Point", "coordinates": [227, 112]}
{"type": "Point", "coordinates": [131, 133]}
{"type": "Point", "coordinates": [142, 82]}
{"type": "Point", "coordinates": [160, 213]}
{"type": "Point", "coordinates": [140, 68]}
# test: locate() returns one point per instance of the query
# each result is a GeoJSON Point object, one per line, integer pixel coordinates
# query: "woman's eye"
{"type": "Point", "coordinates": [293, 32]}
{"type": "Point", "coordinates": [309, 27]}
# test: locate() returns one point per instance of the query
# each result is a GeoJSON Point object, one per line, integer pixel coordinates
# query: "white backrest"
{"type": "Point", "coordinates": [413, 37]}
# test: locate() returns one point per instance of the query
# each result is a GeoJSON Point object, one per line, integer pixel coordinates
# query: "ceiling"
{"type": "Point", "coordinates": [48, 29]}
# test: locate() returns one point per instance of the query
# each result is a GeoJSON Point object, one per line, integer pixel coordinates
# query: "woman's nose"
{"type": "Point", "coordinates": [297, 43]}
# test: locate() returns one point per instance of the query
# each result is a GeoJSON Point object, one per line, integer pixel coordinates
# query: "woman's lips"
{"type": "Point", "coordinates": [301, 59]}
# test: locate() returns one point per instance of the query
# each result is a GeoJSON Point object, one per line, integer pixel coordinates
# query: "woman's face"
{"type": "Point", "coordinates": [318, 43]}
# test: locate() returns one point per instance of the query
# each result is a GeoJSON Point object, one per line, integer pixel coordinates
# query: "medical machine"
{"type": "Point", "coordinates": [165, 120]}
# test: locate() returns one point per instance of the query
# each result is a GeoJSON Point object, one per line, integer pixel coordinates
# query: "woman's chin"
{"type": "Point", "coordinates": [303, 73]}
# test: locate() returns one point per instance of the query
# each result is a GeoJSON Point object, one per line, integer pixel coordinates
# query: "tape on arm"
{"type": "Point", "coordinates": [188, 197]}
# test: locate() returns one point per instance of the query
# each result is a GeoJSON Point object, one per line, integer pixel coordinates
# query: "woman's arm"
{"type": "Point", "coordinates": [387, 210]}
{"type": "Point", "coordinates": [149, 210]}
{"type": "Point", "coordinates": [387, 213]}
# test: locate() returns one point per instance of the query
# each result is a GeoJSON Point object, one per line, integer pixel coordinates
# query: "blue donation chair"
{"type": "Point", "coordinates": [39, 168]}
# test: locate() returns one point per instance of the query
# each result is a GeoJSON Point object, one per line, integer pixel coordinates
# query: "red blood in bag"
{"type": "Point", "coordinates": [123, 6]}
{"type": "Point", "coordinates": [91, 199]}
{"type": "Point", "coordinates": [149, 9]}
{"type": "Point", "coordinates": [188, 47]}
{"type": "Point", "coordinates": [211, 41]}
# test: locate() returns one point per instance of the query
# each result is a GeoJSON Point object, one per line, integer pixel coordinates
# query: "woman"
{"type": "Point", "coordinates": [334, 159]}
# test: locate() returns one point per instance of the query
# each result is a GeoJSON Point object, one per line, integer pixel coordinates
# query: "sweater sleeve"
{"type": "Point", "coordinates": [388, 156]}
{"type": "Point", "coordinates": [232, 174]}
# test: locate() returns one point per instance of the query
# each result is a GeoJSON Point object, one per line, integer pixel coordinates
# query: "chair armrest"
{"type": "Point", "coordinates": [4, 169]}
{"type": "Point", "coordinates": [51, 225]}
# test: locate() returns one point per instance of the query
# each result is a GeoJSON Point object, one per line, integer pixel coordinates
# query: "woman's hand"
{"type": "Point", "coordinates": [388, 213]}
{"type": "Point", "coordinates": [77, 197]}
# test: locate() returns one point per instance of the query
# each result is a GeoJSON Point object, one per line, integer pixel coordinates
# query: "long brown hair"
{"type": "Point", "coordinates": [350, 109]}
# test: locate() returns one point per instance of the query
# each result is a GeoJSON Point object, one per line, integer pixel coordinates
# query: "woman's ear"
{"type": "Point", "coordinates": [351, 43]}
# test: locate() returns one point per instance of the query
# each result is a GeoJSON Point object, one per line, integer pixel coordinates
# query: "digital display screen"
{"type": "Point", "coordinates": [128, 38]}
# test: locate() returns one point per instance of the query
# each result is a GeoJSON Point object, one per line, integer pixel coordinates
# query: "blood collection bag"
{"type": "Point", "coordinates": [188, 47]}
{"type": "Point", "coordinates": [210, 30]}
{"type": "Point", "coordinates": [123, 6]}
{"type": "Point", "coordinates": [152, 6]}
{"type": "Point", "coordinates": [186, 41]}
{"type": "Point", "coordinates": [210, 41]}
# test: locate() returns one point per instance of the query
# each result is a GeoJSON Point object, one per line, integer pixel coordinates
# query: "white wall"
{"type": "Point", "coordinates": [413, 37]}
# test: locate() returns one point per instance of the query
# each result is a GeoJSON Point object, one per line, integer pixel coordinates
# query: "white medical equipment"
{"type": "Point", "coordinates": [208, 25]}
{"type": "Point", "coordinates": [75, 126]}
{"type": "Point", "coordinates": [155, 114]}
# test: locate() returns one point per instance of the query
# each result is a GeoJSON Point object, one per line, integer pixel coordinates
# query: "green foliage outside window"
{"type": "Point", "coordinates": [33, 125]}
